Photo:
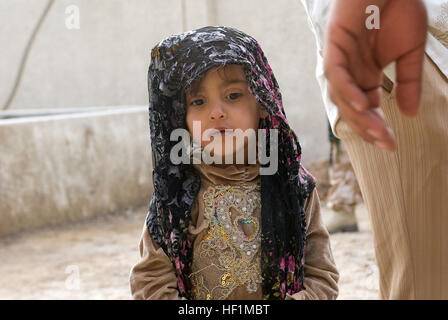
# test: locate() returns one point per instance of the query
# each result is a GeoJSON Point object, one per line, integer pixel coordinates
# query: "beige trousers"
{"type": "Point", "coordinates": [406, 193]}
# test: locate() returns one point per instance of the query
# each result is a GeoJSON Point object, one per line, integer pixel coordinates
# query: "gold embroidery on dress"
{"type": "Point", "coordinates": [231, 248]}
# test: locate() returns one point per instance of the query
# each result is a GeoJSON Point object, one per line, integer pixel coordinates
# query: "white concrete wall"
{"type": "Point", "coordinates": [55, 169]}
{"type": "Point", "coordinates": [105, 62]}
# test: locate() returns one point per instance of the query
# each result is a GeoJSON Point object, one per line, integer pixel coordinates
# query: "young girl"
{"type": "Point", "coordinates": [223, 231]}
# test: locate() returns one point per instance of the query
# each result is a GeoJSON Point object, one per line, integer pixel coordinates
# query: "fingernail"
{"type": "Point", "coordinates": [384, 146]}
{"type": "Point", "coordinates": [357, 107]}
{"type": "Point", "coordinates": [374, 133]}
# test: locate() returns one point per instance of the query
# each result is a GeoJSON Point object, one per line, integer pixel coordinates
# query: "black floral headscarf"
{"type": "Point", "coordinates": [176, 62]}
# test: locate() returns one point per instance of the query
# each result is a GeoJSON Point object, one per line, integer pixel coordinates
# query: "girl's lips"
{"type": "Point", "coordinates": [222, 130]}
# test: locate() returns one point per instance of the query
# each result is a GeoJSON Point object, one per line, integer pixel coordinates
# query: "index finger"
{"type": "Point", "coordinates": [338, 75]}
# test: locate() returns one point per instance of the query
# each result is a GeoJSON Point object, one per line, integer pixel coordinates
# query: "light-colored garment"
{"type": "Point", "coordinates": [220, 255]}
{"type": "Point", "coordinates": [406, 193]}
{"type": "Point", "coordinates": [436, 46]}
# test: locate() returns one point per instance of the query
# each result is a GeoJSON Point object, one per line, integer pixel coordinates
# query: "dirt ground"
{"type": "Point", "coordinates": [92, 259]}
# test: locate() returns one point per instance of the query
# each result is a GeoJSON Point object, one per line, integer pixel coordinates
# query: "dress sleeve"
{"type": "Point", "coordinates": [321, 275]}
{"type": "Point", "coordinates": [153, 277]}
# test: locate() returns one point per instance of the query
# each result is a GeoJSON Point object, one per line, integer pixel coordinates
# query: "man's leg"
{"type": "Point", "coordinates": [406, 193]}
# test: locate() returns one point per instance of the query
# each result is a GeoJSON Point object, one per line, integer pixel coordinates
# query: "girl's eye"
{"type": "Point", "coordinates": [197, 102]}
{"type": "Point", "coordinates": [234, 95]}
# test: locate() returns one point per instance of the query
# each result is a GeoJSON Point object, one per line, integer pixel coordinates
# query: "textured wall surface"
{"type": "Point", "coordinates": [56, 169]}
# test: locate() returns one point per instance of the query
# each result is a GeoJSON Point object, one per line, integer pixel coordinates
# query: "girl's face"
{"type": "Point", "coordinates": [221, 100]}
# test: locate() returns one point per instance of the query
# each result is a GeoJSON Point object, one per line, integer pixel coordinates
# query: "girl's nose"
{"type": "Point", "coordinates": [217, 113]}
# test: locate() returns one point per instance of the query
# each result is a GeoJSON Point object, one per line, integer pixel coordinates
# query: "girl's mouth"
{"type": "Point", "coordinates": [224, 131]}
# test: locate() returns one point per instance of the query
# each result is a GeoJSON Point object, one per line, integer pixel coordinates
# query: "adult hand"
{"type": "Point", "coordinates": [355, 56]}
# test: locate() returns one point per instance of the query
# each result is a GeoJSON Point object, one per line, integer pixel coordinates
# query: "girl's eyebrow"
{"type": "Point", "coordinates": [225, 83]}
{"type": "Point", "coordinates": [233, 81]}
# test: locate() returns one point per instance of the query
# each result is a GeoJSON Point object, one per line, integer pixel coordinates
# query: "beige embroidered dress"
{"type": "Point", "coordinates": [226, 230]}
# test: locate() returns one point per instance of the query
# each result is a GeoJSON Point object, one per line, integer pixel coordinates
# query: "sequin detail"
{"type": "Point", "coordinates": [229, 254]}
